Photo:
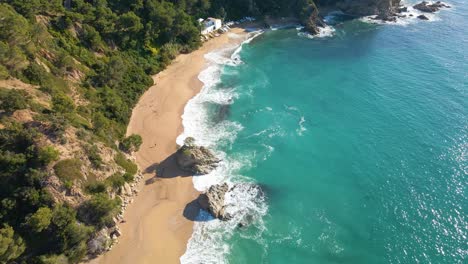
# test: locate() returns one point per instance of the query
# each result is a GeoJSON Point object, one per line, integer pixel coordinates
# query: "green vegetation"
{"type": "Point", "coordinates": [47, 155]}
{"type": "Point", "coordinates": [99, 210]}
{"type": "Point", "coordinates": [89, 64]}
{"type": "Point", "coordinates": [116, 181]}
{"type": "Point", "coordinates": [129, 167]}
{"type": "Point", "coordinates": [131, 143]}
{"type": "Point", "coordinates": [11, 245]}
{"type": "Point", "coordinates": [93, 156]}
{"type": "Point", "coordinates": [40, 220]}
{"type": "Point", "coordinates": [12, 100]}
{"type": "Point", "coordinates": [69, 169]}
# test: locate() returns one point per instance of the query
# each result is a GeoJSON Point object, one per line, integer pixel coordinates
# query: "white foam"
{"type": "Point", "coordinates": [410, 16]}
{"type": "Point", "coordinates": [301, 128]}
{"type": "Point", "coordinates": [324, 32]}
{"type": "Point", "coordinates": [330, 17]}
{"type": "Point", "coordinates": [207, 244]}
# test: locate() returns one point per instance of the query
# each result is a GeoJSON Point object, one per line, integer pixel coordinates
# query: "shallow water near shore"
{"type": "Point", "coordinates": [358, 141]}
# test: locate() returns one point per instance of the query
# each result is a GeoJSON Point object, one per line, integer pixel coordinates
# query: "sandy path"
{"type": "Point", "coordinates": [156, 230]}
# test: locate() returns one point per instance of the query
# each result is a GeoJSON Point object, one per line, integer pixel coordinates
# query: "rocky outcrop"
{"type": "Point", "coordinates": [309, 16]}
{"type": "Point", "coordinates": [100, 243]}
{"type": "Point", "coordinates": [196, 159]}
{"type": "Point", "coordinates": [423, 17]}
{"type": "Point", "coordinates": [213, 201]}
{"type": "Point", "coordinates": [429, 8]}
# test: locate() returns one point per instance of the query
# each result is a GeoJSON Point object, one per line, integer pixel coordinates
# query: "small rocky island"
{"type": "Point", "coordinates": [213, 201]}
{"type": "Point", "coordinates": [430, 8]}
{"type": "Point", "coordinates": [197, 160]}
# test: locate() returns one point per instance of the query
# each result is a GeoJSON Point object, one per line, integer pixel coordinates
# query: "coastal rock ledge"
{"type": "Point", "coordinates": [213, 201]}
{"type": "Point", "coordinates": [196, 159]}
{"type": "Point", "coordinates": [430, 8]}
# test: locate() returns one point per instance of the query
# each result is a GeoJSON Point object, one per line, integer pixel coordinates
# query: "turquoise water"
{"type": "Point", "coordinates": [359, 142]}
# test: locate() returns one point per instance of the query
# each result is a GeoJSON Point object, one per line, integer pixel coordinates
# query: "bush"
{"type": "Point", "coordinates": [62, 104]}
{"type": "Point", "coordinates": [93, 156]}
{"type": "Point", "coordinates": [69, 169]}
{"type": "Point", "coordinates": [36, 74]}
{"type": "Point", "coordinates": [96, 187]}
{"type": "Point", "coordinates": [99, 210]}
{"type": "Point", "coordinates": [11, 245]}
{"type": "Point", "coordinates": [14, 99]}
{"type": "Point", "coordinates": [40, 220]}
{"type": "Point", "coordinates": [128, 177]}
{"type": "Point", "coordinates": [53, 259]}
{"type": "Point", "coordinates": [47, 154]}
{"type": "Point", "coordinates": [129, 167]}
{"type": "Point", "coordinates": [131, 143]}
{"type": "Point", "coordinates": [115, 181]}
{"type": "Point", "coordinates": [3, 72]}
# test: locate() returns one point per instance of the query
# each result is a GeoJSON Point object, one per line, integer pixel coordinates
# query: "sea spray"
{"type": "Point", "coordinates": [246, 204]}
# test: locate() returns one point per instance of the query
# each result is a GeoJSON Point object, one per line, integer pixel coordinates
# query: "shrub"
{"type": "Point", "coordinates": [11, 245]}
{"type": "Point", "coordinates": [3, 72]}
{"type": "Point", "coordinates": [53, 259]}
{"type": "Point", "coordinates": [115, 181]}
{"type": "Point", "coordinates": [128, 177]}
{"type": "Point", "coordinates": [131, 143]}
{"type": "Point", "coordinates": [36, 74]}
{"type": "Point", "coordinates": [129, 167]}
{"type": "Point", "coordinates": [47, 154]}
{"type": "Point", "coordinates": [62, 104]}
{"type": "Point", "coordinates": [93, 156]}
{"type": "Point", "coordinates": [96, 187]}
{"type": "Point", "coordinates": [40, 220]}
{"type": "Point", "coordinates": [99, 210]}
{"type": "Point", "coordinates": [14, 99]}
{"type": "Point", "coordinates": [68, 169]}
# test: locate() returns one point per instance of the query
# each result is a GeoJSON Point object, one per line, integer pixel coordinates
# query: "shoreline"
{"type": "Point", "coordinates": [156, 226]}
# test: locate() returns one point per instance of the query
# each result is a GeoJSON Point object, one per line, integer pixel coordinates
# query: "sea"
{"type": "Point", "coordinates": [347, 147]}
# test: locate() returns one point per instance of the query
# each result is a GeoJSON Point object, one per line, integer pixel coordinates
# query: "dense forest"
{"type": "Point", "coordinates": [70, 73]}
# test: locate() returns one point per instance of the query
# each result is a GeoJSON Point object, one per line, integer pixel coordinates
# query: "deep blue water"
{"type": "Point", "coordinates": [358, 140]}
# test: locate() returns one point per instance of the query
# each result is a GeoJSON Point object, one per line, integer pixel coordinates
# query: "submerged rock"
{"type": "Point", "coordinates": [196, 159]}
{"type": "Point", "coordinates": [430, 8]}
{"type": "Point", "coordinates": [213, 201]}
{"type": "Point", "coordinates": [423, 17]}
{"type": "Point", "coordinates": [402, 9]}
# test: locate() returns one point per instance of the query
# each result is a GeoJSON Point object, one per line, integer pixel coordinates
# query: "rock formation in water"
{"type": "Point", "coordinates": [386, 10]}
{"type": "Point", "coordinates": [213, 201]}
{"type": "Point", "coordinates": [423, 17]}
{"type": "Point", "coordinates": [196, 159]}
{"type": "Point", "coordinates": [310, 18]}
{"type": "Point", "coordinates": [430, 8]}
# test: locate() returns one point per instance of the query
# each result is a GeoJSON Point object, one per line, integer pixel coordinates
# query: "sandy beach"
{"type": "Point", "coordinates": [155, 228]}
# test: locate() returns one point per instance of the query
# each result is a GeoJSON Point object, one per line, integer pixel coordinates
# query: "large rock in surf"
{"type": "Point", "coordinates": [429, 8]}
{"type": "Point", "coordinates": [213, 201]}
{"type": "Point", "coordinates": [196, 159]}
{"type": "Point", "coordinates": [310, 18]}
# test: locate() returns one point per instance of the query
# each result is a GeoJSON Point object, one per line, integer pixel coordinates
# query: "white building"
{"type": "Point", "coordinates": [210, 24]}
